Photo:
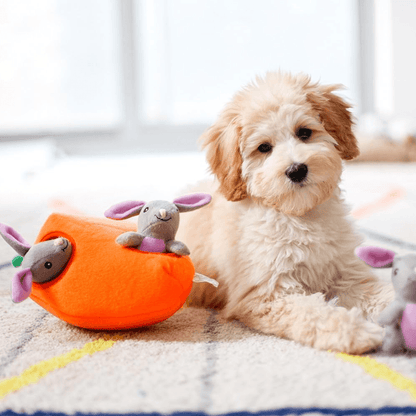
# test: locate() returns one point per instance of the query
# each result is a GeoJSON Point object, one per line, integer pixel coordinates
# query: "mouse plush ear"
{"type": "Point", "coordinates": [191, 202]}
{"type": "Point", "coordinates": [14, 239]}
{"type": "Point", "coordinates": [124, 210]}
{"type": "Point", "coordinates": [376, 256]}
{"type": "Point", "coordinates": [21, 285]}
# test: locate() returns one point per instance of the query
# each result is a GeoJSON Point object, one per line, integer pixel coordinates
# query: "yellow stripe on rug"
{"type": "Point", "coordinates": [37, 371]}
{"type": "Point", "coordinates": [382, 372]}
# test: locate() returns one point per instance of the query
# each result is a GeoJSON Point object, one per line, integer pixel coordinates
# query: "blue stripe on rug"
{"type": "Point", "coordinates": [387, 239]}
{"type": "Point", "coordinates": [3, 266]}
{"type": "Point", "coordinates": [410, 410]}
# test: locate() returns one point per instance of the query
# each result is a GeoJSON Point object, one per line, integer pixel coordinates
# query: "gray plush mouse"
{"type": "Point", "coordinates": [399, 318]}
{"type": "Point", "coordinates": [40, 263]}
{"type": "Point", "coordinates": [158, 222]}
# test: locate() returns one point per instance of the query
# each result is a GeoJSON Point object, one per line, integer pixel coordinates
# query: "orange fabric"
{"type": "Point", "coordinates": [107, 286]}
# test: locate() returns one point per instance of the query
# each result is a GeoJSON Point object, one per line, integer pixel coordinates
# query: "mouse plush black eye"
{"type": "Point", "coordinates": [48, 265]}
{"type": "Point", "coordinates": [304, 133]}
{"type": "Point", "coordinates": [265, 148]}
{"type": "Point", "coordinates": [146, 209]}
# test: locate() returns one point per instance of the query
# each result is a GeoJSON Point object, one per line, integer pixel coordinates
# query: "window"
{"type": "Point", "coordinates": [196, 54]}
{"type": "Point", "coordinates": [59, 65]}
{"type": "Point", "coordinates": [155, 73]}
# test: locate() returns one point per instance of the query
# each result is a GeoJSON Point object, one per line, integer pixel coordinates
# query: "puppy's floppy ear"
{"type": "Point", "coordinates": [336, 118]}
{"type": "Point", "coordinates": [221, 142]}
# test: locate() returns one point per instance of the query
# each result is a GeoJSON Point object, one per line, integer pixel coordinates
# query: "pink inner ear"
{"type": "Point", "coordinates": [21, 285]}
{"type": "Point", "coordinates": [124, 210]}
{"type": "Point", "coordinates": [375, 256]}
{"type": "Point", "coordinates": [13, 235]}
{"type": "Point", "coordinates": [193, 200]}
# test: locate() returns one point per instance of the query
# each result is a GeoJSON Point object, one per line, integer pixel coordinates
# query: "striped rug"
{"type": "Point", "coordinates": [196, 363]}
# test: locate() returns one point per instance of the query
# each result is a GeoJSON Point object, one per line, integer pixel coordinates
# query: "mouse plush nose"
{"type": "Point", "coordinates": [297, 172]}
{"type": "Point", "coordinates": [162, 213]}
{"type": "Point", "coordinates": [59, 242]}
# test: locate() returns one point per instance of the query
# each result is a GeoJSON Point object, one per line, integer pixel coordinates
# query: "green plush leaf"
{"type": "Point", "coordinates": [17, 261]}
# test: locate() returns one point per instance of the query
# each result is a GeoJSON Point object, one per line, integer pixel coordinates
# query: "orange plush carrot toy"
{"type": "Point", "coordinates": [78, 272]}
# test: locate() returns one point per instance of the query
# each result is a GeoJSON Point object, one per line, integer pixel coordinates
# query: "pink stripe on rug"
{"type": "Point", "coordinates": [385, 201]}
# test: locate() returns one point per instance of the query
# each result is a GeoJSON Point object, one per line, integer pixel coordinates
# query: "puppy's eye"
{"type": "Point", "coordinates": [304, 133]}
{"type": "Point", "coordinates": [48, 265]}
{"type": "Point", "coordinates": [395, 271]}
{"type": "Point", "coordinates": [265, 148]}
{"type": "Point", "coordinates": [146, 209]}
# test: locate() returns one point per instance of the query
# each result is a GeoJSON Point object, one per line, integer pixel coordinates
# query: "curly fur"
{"type": "Point", "coordinates": [279, 249]}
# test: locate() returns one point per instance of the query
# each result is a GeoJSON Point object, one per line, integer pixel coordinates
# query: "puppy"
{"type": "Point", "coordinates": [276, 235]}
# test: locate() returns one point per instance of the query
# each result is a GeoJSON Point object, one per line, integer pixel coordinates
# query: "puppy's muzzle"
{"type": "Point", "coordinates": [297, 172]}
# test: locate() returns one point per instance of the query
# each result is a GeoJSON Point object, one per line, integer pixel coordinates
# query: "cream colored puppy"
{"type": "Point", "coordinates": [276, 235]}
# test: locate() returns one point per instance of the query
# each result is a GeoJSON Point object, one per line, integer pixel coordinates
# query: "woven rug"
{"type": "Point", "coordinates": [195, 362]}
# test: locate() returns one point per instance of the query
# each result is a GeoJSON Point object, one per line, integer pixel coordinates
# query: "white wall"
{"type": "Point", "coordinates": [395, 60]}
{"type": "Point", "coordinates": [404, 57]}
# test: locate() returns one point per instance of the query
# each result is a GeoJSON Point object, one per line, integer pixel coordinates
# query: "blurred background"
{"type": "Point", "coordinates": [113, 75]}
{"type": "Point", "coordinates": [83, 81]}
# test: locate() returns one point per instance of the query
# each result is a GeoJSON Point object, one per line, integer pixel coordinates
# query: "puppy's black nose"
{"type": "Point", "coordinates": [297, 172]}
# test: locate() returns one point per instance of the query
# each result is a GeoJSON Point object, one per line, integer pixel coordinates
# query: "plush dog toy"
{"type": "Point", "coordinates": [158, 222]}
{"type": "Point", "coordinates": [76, 271]}
{"type": "Point", "coordinates": [399, 318]}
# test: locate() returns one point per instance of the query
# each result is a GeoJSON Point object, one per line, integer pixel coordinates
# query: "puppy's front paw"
{"type": "Point", "coordinates": [353, 334]}
{"type": "Point", "coordinates": [367, 337]}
